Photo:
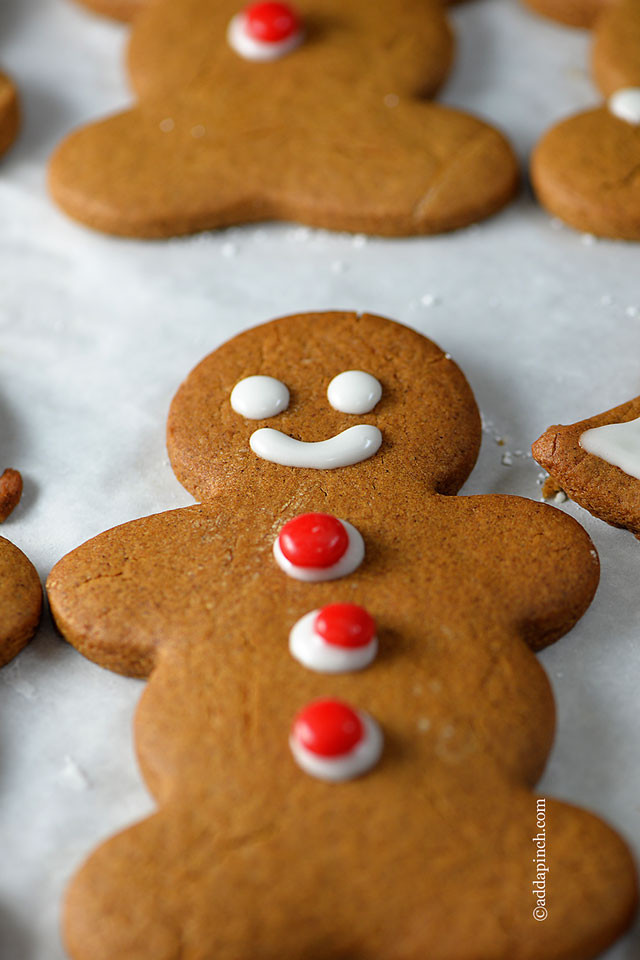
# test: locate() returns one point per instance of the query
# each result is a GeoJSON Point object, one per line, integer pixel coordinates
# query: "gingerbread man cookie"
{"type": "Point", "coordinates": [8, 113]}
{"type": "Point", "coordinates": [316, 114]}
{"type": "Point", "coordinates": [597, 463]}
{"type": "Point", "coordinates": [345, 717]}
{"type": "Point", "coordinates": [586, 170]}
{"type": "Point", "coordinates": [20, 601]}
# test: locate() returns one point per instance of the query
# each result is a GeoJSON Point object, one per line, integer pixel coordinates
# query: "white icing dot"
{"type": "Point", "coordinates": [625, 104]}
{"type": "Point", "coordinates": [354, 391]}
{"type": "Point", "coordinates": [311, 649]}
{"type": "Point", "coordinates": [359, 760]}
{"type": "Point", "coordinates": [167, 125]}
{"type": "Point", "coordinates": [250, 48]}
{"type": "Point", "coordinates": [348, 562]}
{"type": "Point", "coordinates": [257, 398]}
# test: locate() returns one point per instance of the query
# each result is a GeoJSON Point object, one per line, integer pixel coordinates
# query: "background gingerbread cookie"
{"type": "Point", "coordinates": [20, 601]}
{"type": "Point", "coordinates": [575, 13]}
{"type": "Point", "coordinates": [597, 463]}
{"type": "Point", "coordinates": [341, 664]}
{"type": "Point", "coordinates": [8, 113]}
{"type": "Point", "coordinates": [585, 170]}
{"type": "Point", "coordinates": [316, 115]}
{"type": "Point", "coordinates": [616, 47]}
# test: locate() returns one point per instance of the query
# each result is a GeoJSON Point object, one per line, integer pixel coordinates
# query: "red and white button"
{"type": "Point", "coordinates": [338, 638]}
{"type": "Point", "coordinates": [332, 741]}
{"type": "Point", "coordinates": [317, 546]}
{"type": "Point", "coordinates": [265, 31]}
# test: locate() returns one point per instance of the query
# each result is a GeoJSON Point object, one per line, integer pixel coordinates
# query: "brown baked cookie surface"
{"type": "Point", "coordinates": [599, 485]}
{"type": "Point", "coordinates": [251, 856]}
{"type": "Point", "coordinates": [616, 47]}
{"type": "Point", "coordinates": [335, 132]}
{"type": "Point", "coordinates": [9, 118]}
{"type": "Point", "coordinates": [575, 13]}
{"type": "Point", "coordinates": [118, 9]}
{"type": "Point", "coordinates": [586, 170]}
{"type": "Point", "coordinates": [20, 601]}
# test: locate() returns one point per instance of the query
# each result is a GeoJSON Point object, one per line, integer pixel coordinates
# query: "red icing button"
{"type": "Point", "coordinates": [271, 22]}
{"type": "Point", "coordinates": [345, 625]}
{"type": "Point", "coordinates": [329, 728]}
{"type": "Point", "coordinates": [313, 540]}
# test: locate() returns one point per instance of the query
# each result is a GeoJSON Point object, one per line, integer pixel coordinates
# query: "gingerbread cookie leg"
{"type": "Point", "coordinates": [20, 601]}
{"type": "Point", "coordinates": [597, 463]}
{"type": "Point", "coordinates": [9, 119]}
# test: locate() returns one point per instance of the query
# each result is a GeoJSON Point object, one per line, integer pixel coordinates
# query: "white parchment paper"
{"type": "Point", "coordinates": [97, 333]}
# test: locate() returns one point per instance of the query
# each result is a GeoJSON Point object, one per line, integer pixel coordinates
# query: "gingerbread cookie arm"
{"type": "Point", "coordinates": [20, 601]}
{"type": "Point", "coordinates": [9, 114]}
{"type": "Point", "coordinates": [601, 487]}
{"type": "Point", "coordinates": [616, 47]}
{"type": "Point", "coordinates": [127, 175]}
{"type": "Point", "coordinates": [116, 597]}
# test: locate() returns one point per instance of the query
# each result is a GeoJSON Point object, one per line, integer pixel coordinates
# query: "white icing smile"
{"type": "Point", "coordinates": [343, 450]}
{"type": "Point", "coordinates": [617, 444]}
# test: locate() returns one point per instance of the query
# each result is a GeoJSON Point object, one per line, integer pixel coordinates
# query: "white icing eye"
{"type": "Point", "coordinates": [257, 398]}
{"type": "Point", "coordinates": [625, 104]}
{"type": "Point", "coordinates": [354, 391]}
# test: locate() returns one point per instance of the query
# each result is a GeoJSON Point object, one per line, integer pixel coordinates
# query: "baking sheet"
{"type": "Point", "coordinates": [97, 333]}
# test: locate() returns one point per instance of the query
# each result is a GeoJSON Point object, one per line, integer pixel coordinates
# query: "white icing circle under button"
{"type": "Point", "coordinates": [351, 446]}
{"type": "Point", "coordinates": [617, 444]}
{"type": "Point", "coordinates": [257, 398]}
{"type": "Point", "coordinates": [348, 562]}
{"type": "Point", "coordinates": [313, 651]}
{"type": "Point", "coordinates": [625, 104]}
{"type": "Point", "coordinates": [362, 758]}
{"type": "Point", "coordinates": [250, 48]}
{"type": "Point", "coordinates": [354, 391]}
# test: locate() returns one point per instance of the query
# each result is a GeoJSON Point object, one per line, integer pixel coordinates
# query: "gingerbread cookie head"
{"type": "Point", "coordinates": [8, 113]}
{"type": "Point", "coordinates": [278, 407]}
{"type": "Point", "coordinates": [585, 169]}
{"type": "Point", "coordinates": [314, 113]}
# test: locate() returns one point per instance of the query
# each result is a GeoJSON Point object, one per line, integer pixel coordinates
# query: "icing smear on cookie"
{"type": "Point", "coordinates": [617, 444]}
{"type": "Point", "coordinates": [625, 104]}
{"type": "Point", "coordinates": [265, 31]}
